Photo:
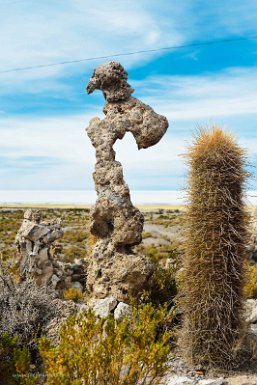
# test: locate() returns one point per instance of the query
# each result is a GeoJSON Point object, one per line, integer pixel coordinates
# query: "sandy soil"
{"type": "Point", "coordinates": [242, 380]}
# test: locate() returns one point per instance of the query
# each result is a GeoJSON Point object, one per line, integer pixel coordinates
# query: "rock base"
{"type": "Point", "coordinates": [120, 275]}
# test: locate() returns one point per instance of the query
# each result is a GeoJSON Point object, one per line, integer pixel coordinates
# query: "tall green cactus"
{"type": "Point", "coordinates": [215, 250]}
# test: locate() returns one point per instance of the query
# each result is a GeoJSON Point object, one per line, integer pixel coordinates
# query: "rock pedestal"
{"type": "Point", "coordinates": [114, 269]}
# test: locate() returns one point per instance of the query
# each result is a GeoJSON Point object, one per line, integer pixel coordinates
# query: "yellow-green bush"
{"type": "Point", "coordinates": [15, 363]}
{"type": "Point", "coordinates": [161, 287]}
{"type": "Point", "coordinates": [75, 235]}
{"type": "Point", "coordinates": [72, 252]}
{"type": "Point", "coordinates": [99, 352]}
{"type": "Point", "coordinates": [156, 253]}
{"type": "Point", "coordinates": [73, 294]}
{"type": "Point", "coordinates": [250, 288]}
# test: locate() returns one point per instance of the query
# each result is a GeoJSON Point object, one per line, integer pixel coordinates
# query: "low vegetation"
{"type": "Point", "coordinates": [250, 288]}
{"type": "Point", "coordinates": [99, 352]}
{"type": "Point", "coordinates": [133, 352]}
{"type": "Point", "coordinates": [15, 363]}
{"type": "Point", "coordinates": [73, 294]}
{"type": "Point", "coordinates": [24, 309]}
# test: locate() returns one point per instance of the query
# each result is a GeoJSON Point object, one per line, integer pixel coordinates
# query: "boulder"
{"type": "Point", "coordinates": [77, 285]}
{"type": "Point", "coordinates": [102, 307]}
{"type": "Point", "coordinates": [122, 310]}
{"type": "Point", "coordinates": [251, 311]}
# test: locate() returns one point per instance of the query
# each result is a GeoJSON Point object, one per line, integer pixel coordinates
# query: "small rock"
{"type": "Point", "coordinates": [43, 255]}
{"type": "Point", "coordinates": [250, 341]}
{"type": "Point", "coordinates": [54, 280]}
{"type": "Point", "coordinates": [77, 285]}
{"type": "Point", "coordinates": [75, 277]}
{"type": "Point", "coordinates": [177, 380]}
{"type": "Point", "coordinates": [122, 310]}
{"type": "Point", "coordinates": [217, 381]}
{"type": "Point", "coordinates": [67, 281]}
{"type": "Point", "coordinates": [37, 232]}
{"type": "Point", "coordinates": [169, 263]}
{"type": "Point", "coordinates": [251, 311]}
{"type": "Point", "coordinates": [103, 307]}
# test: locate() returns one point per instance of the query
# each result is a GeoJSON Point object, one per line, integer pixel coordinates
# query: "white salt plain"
{"type": "Point", "coordinates": [88, 197]}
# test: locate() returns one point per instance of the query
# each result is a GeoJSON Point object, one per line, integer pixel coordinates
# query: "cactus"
{"type": "Point", "coordinates": [212, 284]}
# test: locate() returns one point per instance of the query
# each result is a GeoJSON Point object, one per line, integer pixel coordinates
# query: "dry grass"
{"type": "Point", "coordinates": [146, 208]}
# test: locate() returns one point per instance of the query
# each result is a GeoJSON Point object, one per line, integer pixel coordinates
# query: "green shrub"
{"type": "Point", "coordinates": [75, 235]}
{"type": "Point", "coordinates": [15, 363]}
{"type": "Point", "coordinates": [99, 352]}
{"type": "Point", "coordinates": [161, 288]}
{"type": "Point", "coordinates": [250, 288]}
{"type": "Point", "coordinates": [72, 252]}
{"type": "Point", "coordinates": [147, 234]}
{"type": "Point", "coordinates": [24, 308]}
{"type": "Point", "coordinates": [73, 294]}
{"type": "Point", "coordinates": [157, 253]}
{"type": "Point", "coordinates": [7, 364]}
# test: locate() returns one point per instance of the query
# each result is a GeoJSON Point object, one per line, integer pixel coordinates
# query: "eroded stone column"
{"type": "Point", "coordinates": [38, 254]}
{"type": "Point", "coordinates": [33, 241]}
{"type": "Point", "coordinates": [114, 268]}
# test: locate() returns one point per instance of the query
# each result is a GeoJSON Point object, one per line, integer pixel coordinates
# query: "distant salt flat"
{"type": "Point", "coordinates": [88, 197]}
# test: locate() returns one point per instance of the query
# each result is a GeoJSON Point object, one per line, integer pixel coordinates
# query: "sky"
{"type": "Point", "coordinates": [44, 111]}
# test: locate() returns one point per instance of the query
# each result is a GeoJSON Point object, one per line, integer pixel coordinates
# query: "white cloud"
{"type": "Point", "coordinates": [228, 98]}
{"type": "Point", "coordinates": [34, 33]}
{"type": "Point", "coordinates": [50, 32]}
{"type": "Point", "coordinates": [228, 93]}
{"type": "Point", "coordinates": [40, 33]}
{"type": "Point", "coordinates": [64, 141]}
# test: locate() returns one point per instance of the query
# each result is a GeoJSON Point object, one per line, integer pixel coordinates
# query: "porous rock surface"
{"type": "Point", "coordinates": [252, 231]}
{"type": "Point", "coordinates": [38, 253]}
{"type": "Point", "coordinates": [251, 311]}
{"type": "Point", "coordinates": [114, 268]}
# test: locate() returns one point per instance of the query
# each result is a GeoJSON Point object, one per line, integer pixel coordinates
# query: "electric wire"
{"type": "Point", "coordinates": [174, 47]}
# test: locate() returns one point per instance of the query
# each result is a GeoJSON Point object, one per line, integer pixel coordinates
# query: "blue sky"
{"type": "Point", "coordinates": [44, 112]}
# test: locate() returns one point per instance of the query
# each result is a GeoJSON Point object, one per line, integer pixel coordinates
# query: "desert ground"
{"type": "Point", "coordinates": [162, 243]}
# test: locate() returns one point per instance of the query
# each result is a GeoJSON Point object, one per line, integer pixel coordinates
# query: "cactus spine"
{"type": "Point", "coordinates": [216, 233]}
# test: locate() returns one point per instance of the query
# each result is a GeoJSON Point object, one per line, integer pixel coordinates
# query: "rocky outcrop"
{"type": "Point", "coordinates": [251, 311]}
{"type": "Point", "coordinates": [33, 242]}
{"type": "Point", "coordinates": [114, 268]}
{"type": "Point", "coordinates": [63, 310]}
{"type": "Point", "coordinates": [252, 246]}
{"type": "Point", "coordinates": [38, 253]}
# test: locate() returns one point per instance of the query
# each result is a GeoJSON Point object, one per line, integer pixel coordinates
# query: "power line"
{"type": "Point", "coordinates": [204, 43]}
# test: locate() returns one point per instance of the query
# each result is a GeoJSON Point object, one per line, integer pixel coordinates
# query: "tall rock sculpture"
{"type": "Point", "coordinates": [114, 268]}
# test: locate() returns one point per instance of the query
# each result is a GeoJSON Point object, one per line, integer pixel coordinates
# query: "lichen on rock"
{"type": "Point", "coordinates": [114, 268]}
